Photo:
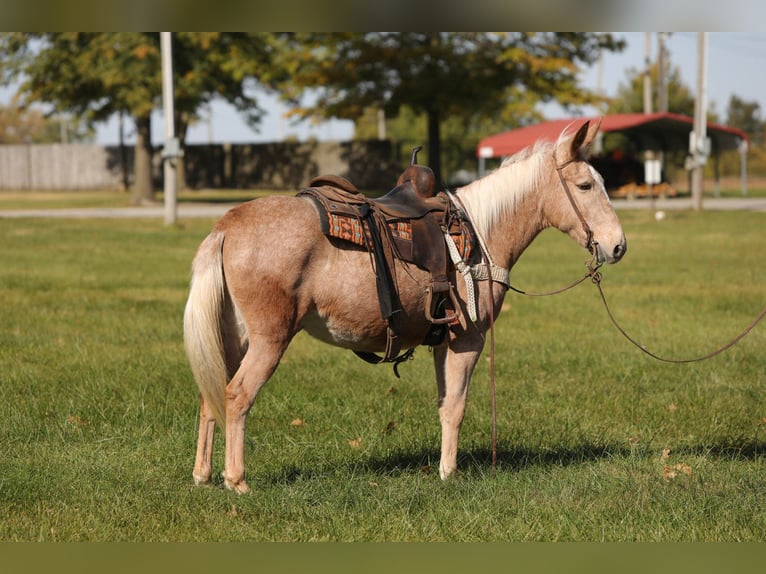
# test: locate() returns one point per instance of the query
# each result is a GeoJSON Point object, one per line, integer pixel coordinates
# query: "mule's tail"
{"type": "Point", "coordinates": [203, 322]}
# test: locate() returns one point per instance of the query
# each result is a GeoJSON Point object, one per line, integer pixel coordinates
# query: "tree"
{"type": "Point", "coordinates": [630, 95]}
{"type": "Point", "coordinates": [747, 117]}
{"type": "Point", "coordinates": [34, 126]}
{"type": "Point", "coordinates": [441, 75]}
{"type": "Point", "coordinates": [95, 75]}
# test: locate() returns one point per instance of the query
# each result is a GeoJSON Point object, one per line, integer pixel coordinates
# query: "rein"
{"type": "Point", "coordinates": [597, 282]}
{"type": "Point", "coordinates": [595, 277]}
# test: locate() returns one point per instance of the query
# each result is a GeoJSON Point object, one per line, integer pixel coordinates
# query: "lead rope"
{"type": "Point", "coordinates": [596, 278]}
{"type": "Point", "coordinates": [491, 308]}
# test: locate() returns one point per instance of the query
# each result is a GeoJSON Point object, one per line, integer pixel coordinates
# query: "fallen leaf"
{"type": "Point", "coordinates": [670, 472]}
{"type": "Point", "coordinates": [355, 443]}
{"type": "Point", "coordinates": [297, 423]}
{"type": "Point", "coordinates": [672, 407]}
{"type": "Point", "coordinates": [425, 469]}
{"type": "Point", "coordinates": [77, 421]}
{"type": "Point", "coordinates": [389, 427]}
{"type": "Point", "coordinates": [665, 454]}
{"type": "Point", "coordinates": [392, 390]}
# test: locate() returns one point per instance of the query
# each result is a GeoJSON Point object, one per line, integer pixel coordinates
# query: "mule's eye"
{"type": "Point", "coordinates": [587, 186]}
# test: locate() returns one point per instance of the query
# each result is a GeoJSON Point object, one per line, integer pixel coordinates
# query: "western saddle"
{"type": "Point", "coordinates": [412, 223]}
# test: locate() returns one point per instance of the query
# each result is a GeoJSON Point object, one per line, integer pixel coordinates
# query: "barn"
{"type": "Point", "coordinates": [644, 136]}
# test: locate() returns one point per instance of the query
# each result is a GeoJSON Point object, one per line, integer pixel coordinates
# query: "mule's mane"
{"type": "Point", "coordinates": [498, 193]}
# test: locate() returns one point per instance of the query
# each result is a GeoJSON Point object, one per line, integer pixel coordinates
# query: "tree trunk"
{"type": "Point", "coordinates": [143, 187]}
{"type": "Point", "coordinates": [434, 146]}
{"type": "Point", "coordinates": [181, 129]}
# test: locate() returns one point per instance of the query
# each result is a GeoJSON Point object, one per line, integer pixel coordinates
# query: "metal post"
{"type": "Point", "coordinates": [662, 87]}
{"type": "Point", "coordinates": [171, 149]}
{"type": "Point", "coordinates": [743, 165]}
{"type": "Point", "coordinates": [700, 123]}
{"type": "Point", "coordinates": [647, 73]}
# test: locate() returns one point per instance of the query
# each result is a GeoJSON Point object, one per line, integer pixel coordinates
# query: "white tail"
{"type": "Point", "coordinates": [203, 323]}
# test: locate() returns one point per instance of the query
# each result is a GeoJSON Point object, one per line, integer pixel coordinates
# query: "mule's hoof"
{"type": "Point", "coordinates": [447, 473]}
{"type": "Point", "coordinates": [240, 486]}
{"type": "Point", "coordinates": [201, 480]}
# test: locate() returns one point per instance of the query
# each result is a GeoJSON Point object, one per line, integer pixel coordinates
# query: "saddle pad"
{"type": "Point", "coordinates": [347, 228]}
{"type": "Point", "coordinates": [350, 228]}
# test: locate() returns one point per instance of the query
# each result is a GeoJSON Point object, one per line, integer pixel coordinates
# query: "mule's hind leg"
{"type": "Point", "coordinates": [203, 462]}
{"type": "Point", "coordinates": [258, 365]}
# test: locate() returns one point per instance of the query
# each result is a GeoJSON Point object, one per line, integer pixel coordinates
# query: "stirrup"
{"type": "Point", "coordinates": [450, 317]}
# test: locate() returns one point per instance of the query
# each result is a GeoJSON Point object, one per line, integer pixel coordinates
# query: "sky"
{"type": "Point", "coordinates": [736, 65]}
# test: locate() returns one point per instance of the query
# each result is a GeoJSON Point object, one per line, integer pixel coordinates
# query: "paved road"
{"type": "Point", "coordinates": [191, 210]}
{"type": "Point", "coordinates": [708, 203]}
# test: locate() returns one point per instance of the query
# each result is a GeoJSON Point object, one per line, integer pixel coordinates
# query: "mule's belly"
{"type": "Point", "coordinates": [358, 336]}
{"type": "Point", "coordinates": [344, 334]}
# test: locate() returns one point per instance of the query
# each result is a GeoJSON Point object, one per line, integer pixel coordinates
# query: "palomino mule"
{"type": "Point", "coordinates": [255, 285]}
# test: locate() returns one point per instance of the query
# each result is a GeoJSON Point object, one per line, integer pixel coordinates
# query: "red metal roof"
{"type": "Point", "coordinates": [658, 131]}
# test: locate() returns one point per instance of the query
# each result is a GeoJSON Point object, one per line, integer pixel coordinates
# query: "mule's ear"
{"type": "Point", "coordinates": [583, 139]}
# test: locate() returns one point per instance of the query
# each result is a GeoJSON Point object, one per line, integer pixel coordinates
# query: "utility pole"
{"type": "Point", "coordinates": [698, 142]}
{"type": "Point", "coordinates": [171, 151]}
{"type": "Point", "coordinates": [647, 73]}
{"type": "Point", "coordinates": [662, 86]}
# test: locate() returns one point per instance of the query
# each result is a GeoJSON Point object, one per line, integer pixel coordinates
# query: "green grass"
{"type": "Point", "coordinates": [98, 421]}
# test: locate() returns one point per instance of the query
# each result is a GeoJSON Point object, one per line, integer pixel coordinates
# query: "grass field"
{"type": "Point", "coordinates": [597, 442]}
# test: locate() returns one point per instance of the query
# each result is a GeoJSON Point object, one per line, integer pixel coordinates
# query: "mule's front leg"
{"type": "Point", "coordinates": [453, 373]}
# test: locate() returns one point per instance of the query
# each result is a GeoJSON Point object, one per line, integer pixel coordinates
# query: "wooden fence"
{"type": "Point", "coordinates": [283, 165]}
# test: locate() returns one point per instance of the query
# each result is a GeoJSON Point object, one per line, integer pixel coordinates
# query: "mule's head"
{"type": "Point", "coordinates": [579, 204]}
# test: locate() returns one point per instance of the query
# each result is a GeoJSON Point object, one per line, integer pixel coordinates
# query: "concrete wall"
{"type": "Point", "coordinates": [284, 165]}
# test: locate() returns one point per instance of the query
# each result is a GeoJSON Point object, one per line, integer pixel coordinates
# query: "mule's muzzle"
{"type": "Point", "coordinates": [604, 255]}
{"type": "Point", "coordinates": [619, 251]}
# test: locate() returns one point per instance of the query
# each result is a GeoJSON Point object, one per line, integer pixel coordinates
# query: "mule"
{"type": "Point", "coordinates": [266, 272]}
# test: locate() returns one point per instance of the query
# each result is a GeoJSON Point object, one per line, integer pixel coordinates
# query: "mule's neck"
{"type": "Point", "coordinates": [506, 206]}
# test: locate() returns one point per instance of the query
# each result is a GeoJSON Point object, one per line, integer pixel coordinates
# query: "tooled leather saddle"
{"type": "Point", "coordinates": [408, 223]}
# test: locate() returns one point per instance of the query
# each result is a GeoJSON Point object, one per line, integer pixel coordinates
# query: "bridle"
{"type": "Point", "coordinates": [591, 245]}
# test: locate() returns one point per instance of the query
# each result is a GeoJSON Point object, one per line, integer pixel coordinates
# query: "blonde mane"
{"type": "Point", "coordinates": [497, 194]}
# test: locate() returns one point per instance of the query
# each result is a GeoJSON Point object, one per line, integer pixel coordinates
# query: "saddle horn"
{"type": "Point", "coordinates": [414, 159]}
{"type": "Point", "coordinates": [420, 177]}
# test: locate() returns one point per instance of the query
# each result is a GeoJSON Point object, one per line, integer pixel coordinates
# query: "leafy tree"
{"type": "Point", "coordinates": [34, 126]}
{"type": "Point", "coordinates": [747, 117]}
{"type": "Point", "coordinates": [630, 95]}
{"type": "Point", "coordinates": [441, 75]}
{"type": "Point", "coordinates": [95, 75]}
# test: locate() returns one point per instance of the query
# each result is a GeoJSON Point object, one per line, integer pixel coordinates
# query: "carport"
{"type": "Point", "coordinates": [656, 133]}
